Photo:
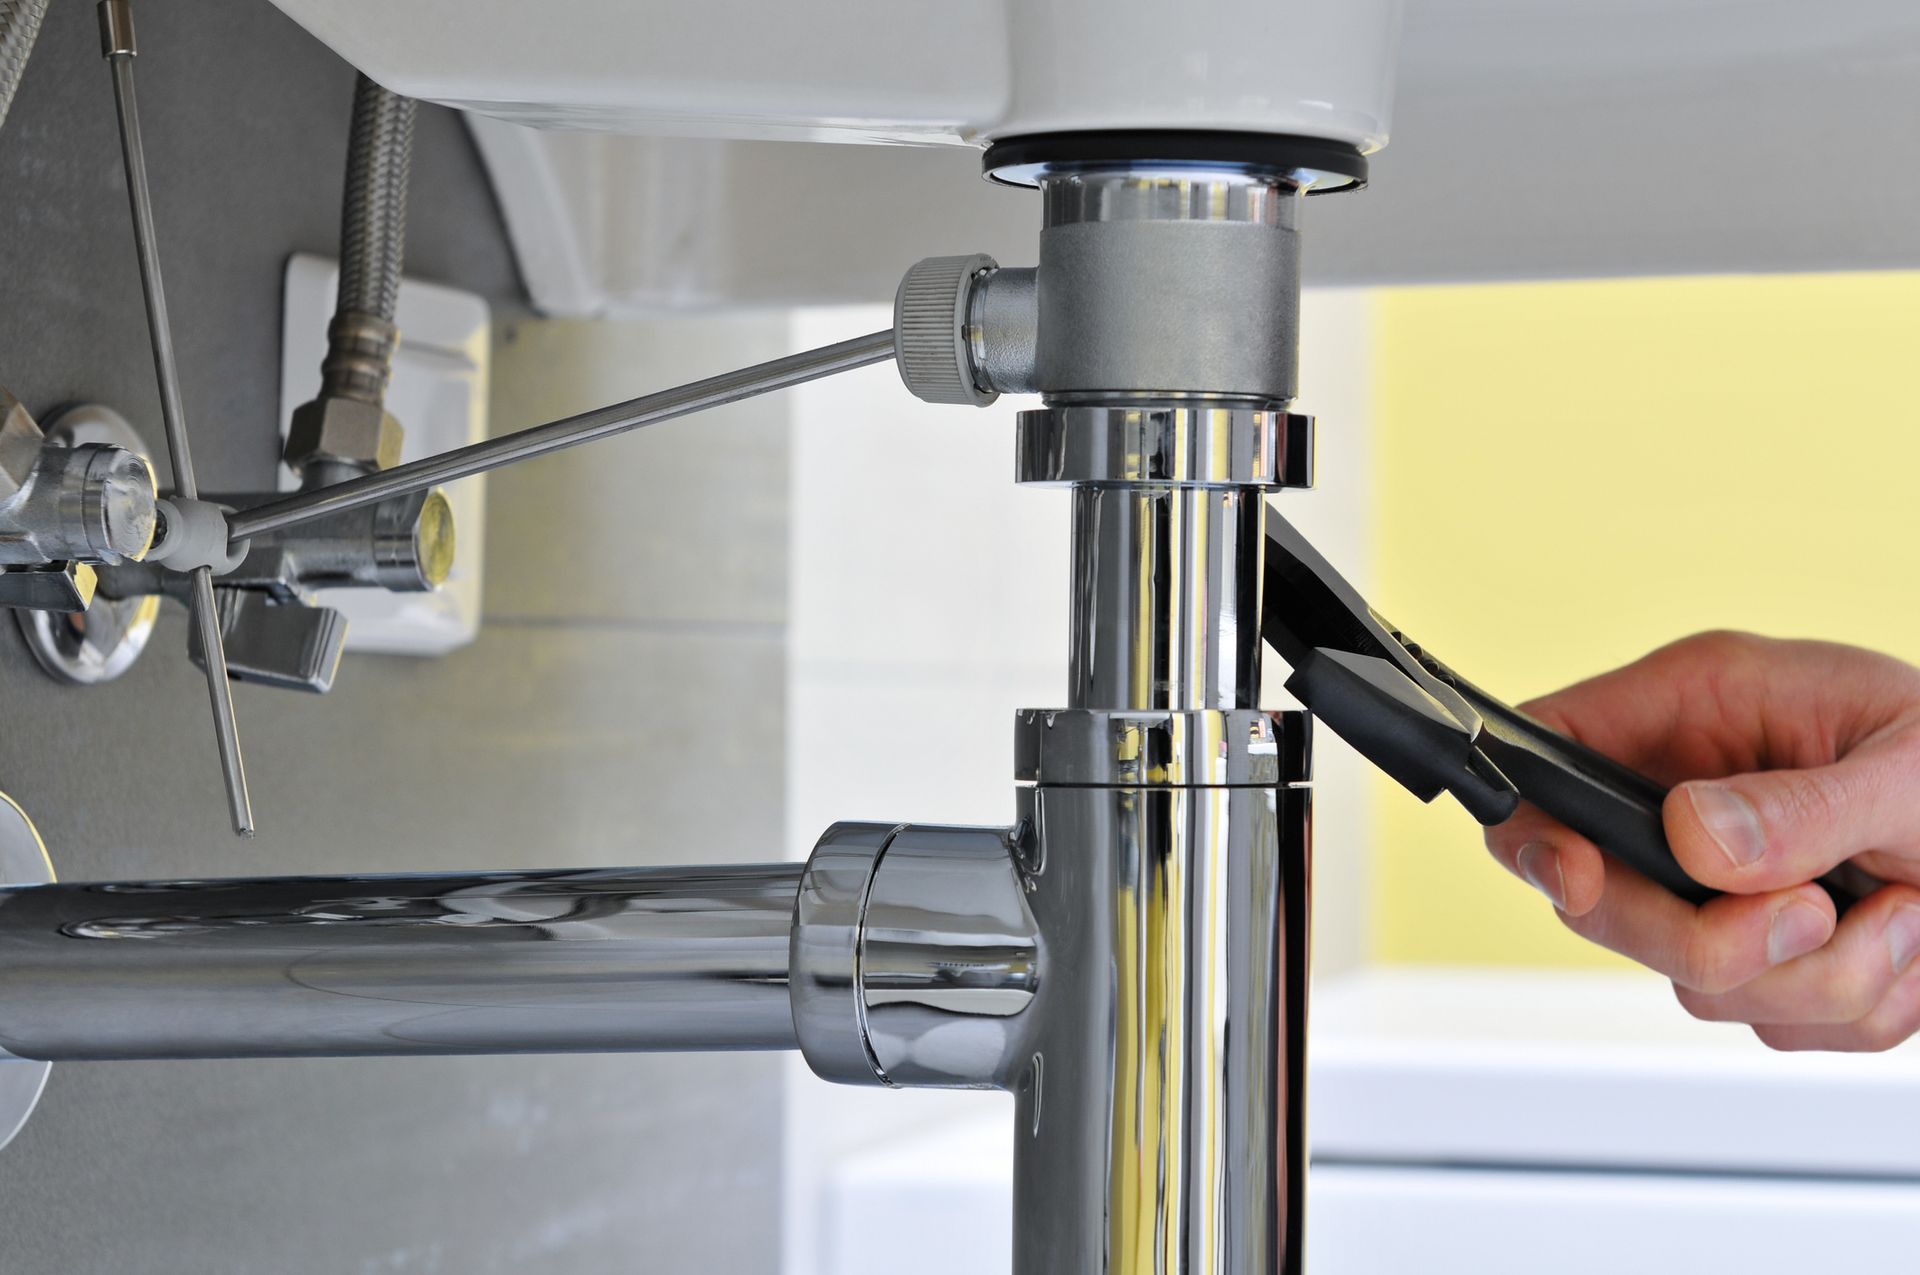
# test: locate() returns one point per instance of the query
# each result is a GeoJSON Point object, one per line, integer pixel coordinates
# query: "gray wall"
{"type": "Point", "coordinates": [619, 707]}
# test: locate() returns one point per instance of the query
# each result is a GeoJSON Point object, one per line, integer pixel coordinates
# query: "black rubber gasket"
{"type": "Point", "coordinates": [1322, 166]}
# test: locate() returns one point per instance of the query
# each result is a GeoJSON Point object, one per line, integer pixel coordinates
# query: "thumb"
{"type": "Point", "coordinates": [1775, 829]}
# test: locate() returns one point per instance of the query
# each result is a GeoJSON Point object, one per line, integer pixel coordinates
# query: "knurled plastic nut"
{"type": "Point", "coordinates": [930, 330]}
{"type": "Point", "coordinates": [343, 429]}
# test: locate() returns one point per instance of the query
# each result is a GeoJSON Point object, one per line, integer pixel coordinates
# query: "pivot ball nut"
{"type": "Point", "coordinates": [193, 534]}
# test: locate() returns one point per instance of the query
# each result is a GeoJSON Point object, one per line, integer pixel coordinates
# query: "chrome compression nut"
{"type": "Point", "coordinates": [90, 503]}
{"type": "Point", "coordinates": [914, 956]}
{"type": "Point", "coordinates": [343, 431]}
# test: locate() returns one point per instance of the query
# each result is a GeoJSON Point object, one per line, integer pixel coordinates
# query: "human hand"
{"type": "Point", "coordinates": [1790, 758]}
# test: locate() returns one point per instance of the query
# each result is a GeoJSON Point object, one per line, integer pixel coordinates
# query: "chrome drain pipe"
{"type": "Point", "coordinates": [913, 956]}
{"type": "Point", "coordinates": [467, 963]}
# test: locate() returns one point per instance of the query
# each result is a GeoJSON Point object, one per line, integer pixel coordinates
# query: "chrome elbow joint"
{"type": "Point", "coordinates": [914, 957]}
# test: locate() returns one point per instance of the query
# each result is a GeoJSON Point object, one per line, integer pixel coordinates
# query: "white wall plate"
{"type": "Point", "coordinates": [439, 393]}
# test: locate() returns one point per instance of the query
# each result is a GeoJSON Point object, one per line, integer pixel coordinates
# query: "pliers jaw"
{"type": "Point", "coordinates": [1414, 736]}
{"type": "Point", "coordinates": [1360, 677]}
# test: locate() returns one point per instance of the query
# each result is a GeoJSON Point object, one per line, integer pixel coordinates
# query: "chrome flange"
{"type": "Point", "coordinates": [97, 645]}
{"type": "Point", "coordinates": [1189, 445]}
{"type": "Point", "coordinates": [823, 961]}
{"type": "Point", "coordinates": [914, 956]}
{"type": "Point", "coordinates": [23, 861]}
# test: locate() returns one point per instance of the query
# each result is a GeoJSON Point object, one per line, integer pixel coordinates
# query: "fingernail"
{"type": "Point", "coordinates": [1539, 863]}
{"type": "Point", "coordinates": [1903, 935]}
{"type": "Point", "coordinates": [1797, 929]}
{"type": "Point", "coordinates": [1731, 820]}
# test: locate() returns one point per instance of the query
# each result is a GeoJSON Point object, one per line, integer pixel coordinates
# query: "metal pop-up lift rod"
{"type": "Point", "coordinates": [118, 46]}
{"type": "Point", "coordinates": [542, 440]}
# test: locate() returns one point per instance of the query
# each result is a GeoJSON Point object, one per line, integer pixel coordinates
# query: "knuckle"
{"type": "Point", "coordinates": [1852, 995]}
{"type": "Point", "coordinates": [1592, 926]}
{"type": "Point", "coordinates": [1905, 745]}
{"type": "Point", "coordinates": [1804, 800]}
{"type": "Point", "coordinates": [1716, 640]}
{"type": "Point", "coordinates": [1706, 1008]}
{"type": "Point", "coordinates": [1717, 647]}
{"type": "Point", "coordinates": [1703, 966]}
{"type": "Point", "coordinates": [1586, 925]}
{"type": "Point", "coordinates": [1877, 1036]}
{"type": "Point", "coordinates": [1865, 1037]}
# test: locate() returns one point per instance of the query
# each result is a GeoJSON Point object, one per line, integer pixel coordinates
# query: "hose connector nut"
{"type": "Point", "coordinates": [350, 432]}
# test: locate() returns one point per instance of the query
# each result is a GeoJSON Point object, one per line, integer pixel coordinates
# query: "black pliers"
{"type": "Point", "coordinates": [1433, 731]}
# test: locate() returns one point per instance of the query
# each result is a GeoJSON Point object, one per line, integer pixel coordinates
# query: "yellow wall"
{"type": "Point", "coordinates": [1570, 474]}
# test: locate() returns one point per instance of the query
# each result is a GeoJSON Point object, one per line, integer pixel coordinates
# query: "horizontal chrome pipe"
{"type": "Point", "coordinates": [629, 959]}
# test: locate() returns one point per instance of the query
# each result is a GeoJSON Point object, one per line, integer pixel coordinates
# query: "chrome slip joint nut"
{"type": "Point", "coordinates": [914, 957]}
{"type": "Point", "coordinates": [91, 503]}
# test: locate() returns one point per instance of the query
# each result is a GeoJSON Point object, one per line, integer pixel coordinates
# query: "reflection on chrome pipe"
{"type": "Point", "coordinates": [490, 962]}
{"type": "Point", "coordinates": [1159, 1116]}
{"type": "Point", "coordinates": [949, 958]}
{"type": "Point", "coordinates": [1166, 597]}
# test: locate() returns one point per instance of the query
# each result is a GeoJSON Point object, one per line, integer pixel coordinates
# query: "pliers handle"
{"type": "Point", "coordinates": [1433, 731]}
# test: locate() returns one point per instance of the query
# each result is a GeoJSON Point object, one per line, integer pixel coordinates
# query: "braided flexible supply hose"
{"type": "Point", "coordinates": [19, 28]}
{"type": "Point", "coordinates": [333, 437]}
{"type": "Point", "coordinates": [373, 238]}
{"type": "Point", "coordinates": [373, 212]}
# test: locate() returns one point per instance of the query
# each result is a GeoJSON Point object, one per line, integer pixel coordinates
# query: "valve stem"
{"type": "Point", "coordinates": [117, 45]}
